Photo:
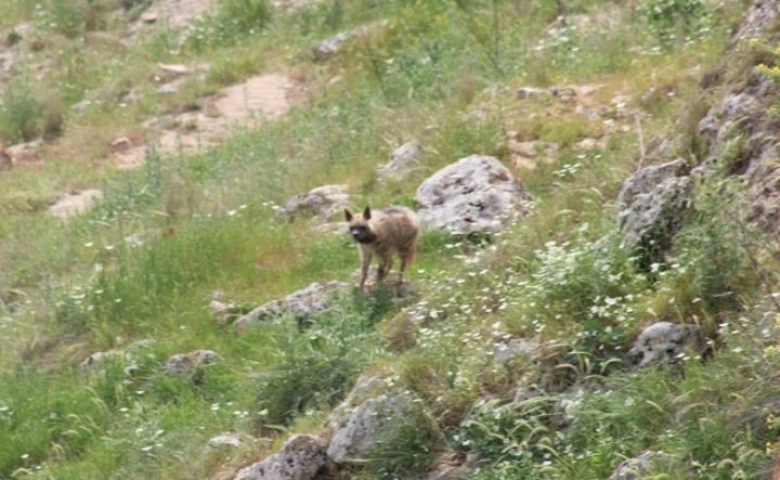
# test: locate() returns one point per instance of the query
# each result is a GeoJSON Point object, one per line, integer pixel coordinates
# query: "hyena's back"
{"type": "Point", "coordinates": [396, 230]}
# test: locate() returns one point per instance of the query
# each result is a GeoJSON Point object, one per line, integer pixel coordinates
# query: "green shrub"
{"type": "Point", "coordinates": [233, 21]}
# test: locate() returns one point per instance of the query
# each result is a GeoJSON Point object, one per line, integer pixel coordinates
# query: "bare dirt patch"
{"type": "Point", "coordinates": [245, 105]}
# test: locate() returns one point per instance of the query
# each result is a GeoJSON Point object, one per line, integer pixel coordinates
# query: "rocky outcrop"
{"type": "Point", "coordinates": [653, 202]}
{"type": "Point", "coordinates": [739, 132]}
{"type": "Point", "coordinates": [476, 194]}
{"type": "Point", "coordinates": [667, 343]}
{"type": "Point", "coordinates": [301, 305]}
{"type": "Point", "coordinates": [299, 459]}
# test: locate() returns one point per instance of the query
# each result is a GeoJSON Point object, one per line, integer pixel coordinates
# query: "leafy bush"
{"type": "Point", "coordinates": [677, 20]}
{"type": "Point", "coordinates": [315, 364]}
{"type": "Point", "coordinates": [21, 112]}
{"type": "Point", "coordinates": [405, 447]}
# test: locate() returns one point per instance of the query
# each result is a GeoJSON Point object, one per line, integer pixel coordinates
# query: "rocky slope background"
{"type": "Point", "coordinates": [596, 290]}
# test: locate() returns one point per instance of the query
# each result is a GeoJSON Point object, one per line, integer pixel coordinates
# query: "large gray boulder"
{"type": "Point", "coordinates": [301, 305]}
{"type": "Point", "coordinates": [299, 459]}
{"type": "Point", "coordinates": [476, 194]}
{"type": "Point", "coordinates": [356, 435]}
{"type": "Point", "coordinates": [653, 202]}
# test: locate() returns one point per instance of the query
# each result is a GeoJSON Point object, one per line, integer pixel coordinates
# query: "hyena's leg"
{"type": "Point", "coordinates": [365, 257]}
{"type": "Point", "coordinates": [407, 256]}
{"type": "Point", "coordinates": [385, 263]}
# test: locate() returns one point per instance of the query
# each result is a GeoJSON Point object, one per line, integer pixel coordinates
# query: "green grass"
{"type": "Point", "coordinates": [143, 264]}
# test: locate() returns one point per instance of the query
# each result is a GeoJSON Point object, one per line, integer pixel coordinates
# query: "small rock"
{"type": "Point", "coordinates": [302, 305]}
{"type": "Point", "coordinates": [331, 46]}
{"type": "Point", "coordinates": [639, 467]}
{"type": "Point", "coordinates": [667, 342]}
{"type": "Point", "coordinates": [71, 205]}
{"type": "Point", "coordinates": [98, 359]}
{"type": "Point", "coordinates": [231, 440]}
{"type": "Point", "coordinates": [25, 153]}
{"type": "Point", "coordinates": [150, 17]}
{"type": "Point", "coordinates": [189, 363]}
{"type": "Point", "coordinates": [401, 160]}
{"type": "Point", "coordinates": [121, 144]}
{"type": "Point", "coordinates": [320, 204]}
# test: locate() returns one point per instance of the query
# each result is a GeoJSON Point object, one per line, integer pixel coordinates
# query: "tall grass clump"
{"type": "Point", "coordinates": [316, 364]}
{"type": "Point", "coordinates": [231, 22]}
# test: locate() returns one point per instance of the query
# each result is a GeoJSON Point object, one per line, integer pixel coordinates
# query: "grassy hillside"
{"type": "Point", "coordinates": [137, 272]}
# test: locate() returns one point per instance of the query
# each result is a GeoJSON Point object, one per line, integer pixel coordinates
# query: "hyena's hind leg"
{"type": "Point", "coordinates": [407, 257]}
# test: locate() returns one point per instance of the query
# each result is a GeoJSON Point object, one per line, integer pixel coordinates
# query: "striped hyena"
{"type": "Point", "coordinates": [384, 233]}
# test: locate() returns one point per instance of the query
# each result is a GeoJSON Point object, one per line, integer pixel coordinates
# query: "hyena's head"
{"type": "Point", "coordinates": [359, 226]}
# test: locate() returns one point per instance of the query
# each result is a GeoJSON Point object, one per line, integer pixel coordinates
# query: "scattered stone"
{"type": "Point", "coordinates": [508, 351]}
{"type": "Point", "coordinates": [474, 195]}
{"type": "Point", "coordinates": [230, 440]}
{"type": "Point", "coordinates": [301, 305]}
{"type": "Point", "coordinates": [170, 71]}
{"type": "Point", "coordinates": [653, 203]}
{"type": "Point", "coordinates": [121, 144]}
{"type": "Point", "coordinates": [326, 49]}
{"type": "Point", "coordinates": [150, 17]}
{"type": "Point", "coordinates": [528, 154]}
{"type": "Point", "coordinates": [98, 359]}
{"type": "Point", "coordinates": [25, 153]}
{"type": "Point", "coordinates": [639, 467]}
{"type": "Point", "coordinates": [320, 204]}
{"type": "Point", "coordinates": [667, 343]}
{"type": "Point", "coordinates": [356, 435]}
{"type": "Point", "coordinates": [301, 458]}
{"type": "Point", "coordinates": [530, 92]}
{"type": "Point", "coordinates": [401, 160]}
{"type": "Point", "coordinates": [183, 364]}
{"type": "Point", "coordinates": [71, 205]}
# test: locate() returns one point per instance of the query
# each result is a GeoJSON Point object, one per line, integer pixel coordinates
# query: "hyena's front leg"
{"type": "Point", "coordinates": [385, 264]}
{"type": "Point", "coordinates": [365, 257]}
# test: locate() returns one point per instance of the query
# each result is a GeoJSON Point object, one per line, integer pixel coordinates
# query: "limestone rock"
{"type": "Point", "coordinates": [74, 204]}
{"type": "Point", "coordinates": [230, 440]}
{"type": "Point", "coordinates": [183, 364]}
{"type": "Point", "coordinates": [327, 48]}
{"type": "Point", "coordinates": [356, 435]}
{"type": "Point", "coordinates": [321, 204]}
{"type": "Point", "coordinates": [640, 466]}
{"type": "Point", "coordinates": [653, 203]}
{"type": "Point", "coordinates": [477, 194]}
{"type": "Point", "coordinates": [401, 160]}
{"type": "Point", "coordinates": [301, 305]}
{"type": "Point", "coordinates": [299, 459]}
{"type": "Point", "coordinates": [666, 343]}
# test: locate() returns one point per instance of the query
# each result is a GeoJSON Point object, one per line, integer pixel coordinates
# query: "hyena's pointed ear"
{"type": "Point", "coordinates": [347, 215]}
{"type": "Point", "coordinates": [367, 213]}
